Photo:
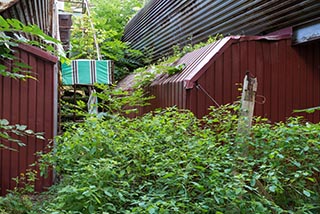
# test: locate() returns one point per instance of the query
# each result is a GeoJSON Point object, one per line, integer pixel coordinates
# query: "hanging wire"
{"type": "Point", "coordinates": [94, 32]}
{"type": "Point", "coordinates": [198, 86]}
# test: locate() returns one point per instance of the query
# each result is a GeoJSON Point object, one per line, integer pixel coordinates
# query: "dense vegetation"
{"type": "Point", "coordinates": [171, 162]}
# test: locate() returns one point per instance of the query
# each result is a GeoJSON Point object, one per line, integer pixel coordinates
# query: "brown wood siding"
{"type": "Point", "coordinates": [31, 103]}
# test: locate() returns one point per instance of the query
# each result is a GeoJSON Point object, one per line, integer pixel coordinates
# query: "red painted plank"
{"type": "Point", "coordinates": [282, 78]}
{"type": "Point", "coordinates": [210, 86]}
{"type": "Point", "coordinates": [37, 52]}
{"type": "Point", "coordinates": [32, 109]}
{"type": "Point", "coordinates": [290, 72]}
{"type": "Point", "coordinates": [1, 150]}
{"type": "Point", "coordinates": [235, 69]}
{"type": "Point", "coordinates": [251, 57]}
{"type": "Point", "coordinates": [266, 79]}
{"type": "Point", "coordinates": [227, 76]}
{"type": "Point", "coordinates": [295, 77]}
{"type": "Point", "coordinates": [259, 74]}
{"type": "Point", "coordinates": [2, 91]}
{"type": "Point", "coordinates": [309, 79]}
{"type": "Point", "coordinates": [23, 116]}
{"type": "Point", "coordinates": [6, 164]}
{"type": "Point", "coordinates": [166, 93]}
{"type": "Point", "coordinates": [48, 114]}
{"type": "Point", "coordinates": [162, 96]}
{"type": "Point", "coordinates": [40, 106]}
{"type": "Point", "coordinates": [243, 59]}
{"type": "Point", "coordinates": [218, 67]}
{"type": "Point", "coordinates": [173, 93]}
{"type": "Point", "coordinates": [19, 104]}
{"type": "Point", "coordinates": [316, 80]}
{"type": "Point", "coordinates": [192, 99]}
{"type": "Point", "coordinates": [303, 79]}
{"type": "Point", "coordinates": [182, 93]}
{"type": "Point", "coordinates": [275, 81]}
{"type": "Point", "coordinates": [179, 95]}
{"type": "Point", "coordinates": [202, 98]}
{"type": "Point", "coordinates": [188, 100]}
{"type": "Point", "coordinates": [14, 156]}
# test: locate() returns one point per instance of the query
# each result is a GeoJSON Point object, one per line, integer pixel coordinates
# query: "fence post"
{"type": "Point", "coordinates": [249, 90]}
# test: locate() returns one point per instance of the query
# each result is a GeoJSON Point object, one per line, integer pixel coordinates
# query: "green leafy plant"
{"type": "Point", "coordinates": [19, 130]}
{"type": "Point", "coordinates": [176, 69]}
{"type": "Point", "coordinates": [169, 161]}
{"type": "Point", "coordinates": [114, 100]}
{"type": "Point", "coordinates": [11, 31]}
{"type": "Point", "coordinates": [168, 65]}
{"type": "Point", "coordinates": [19, 200]}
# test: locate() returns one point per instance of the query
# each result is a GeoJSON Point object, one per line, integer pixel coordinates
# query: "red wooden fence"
{"type": "Point", "coordinates": [31, 103]}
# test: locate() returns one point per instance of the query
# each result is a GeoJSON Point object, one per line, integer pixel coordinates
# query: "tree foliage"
{"type": "Point", "coordinates": [12, 33]}
{"type": "Point", "coordinates": [109, 19]}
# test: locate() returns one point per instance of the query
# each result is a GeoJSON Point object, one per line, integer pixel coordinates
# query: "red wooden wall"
{"type": "Point", "coordinates": [30, 103]}
{"type": "Point", "coordinates": [288, 78]}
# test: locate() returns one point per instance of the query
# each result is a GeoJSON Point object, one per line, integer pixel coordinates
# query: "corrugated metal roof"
{"type": "Point", "coordinates": [164, 23]}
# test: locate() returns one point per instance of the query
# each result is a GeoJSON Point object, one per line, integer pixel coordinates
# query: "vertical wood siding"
{"type": "Point", "coordinates": [288, 78]}
{"type": "Point", "coordinates": [30, 103]}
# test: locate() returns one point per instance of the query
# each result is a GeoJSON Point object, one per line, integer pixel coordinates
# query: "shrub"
{"type": "Point", "coordinates": [171, 162]}
{"type": "Point", "coordinates": [19, 200]}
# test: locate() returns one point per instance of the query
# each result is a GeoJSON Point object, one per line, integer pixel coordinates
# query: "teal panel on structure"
{"type": "Point", "coordinates": [84, 72]}
{"type": "Point", "coordinates": [67, 74]}
{"type": "Point", "coordinates": [87, 72]}
{"type": "Point", "coordinates": [101, 65]}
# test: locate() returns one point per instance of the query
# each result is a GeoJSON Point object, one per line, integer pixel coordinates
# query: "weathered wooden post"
{"type": "Point", "coordinates": [249, 90]}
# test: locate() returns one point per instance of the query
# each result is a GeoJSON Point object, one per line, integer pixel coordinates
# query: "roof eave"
{"type": "Point", "coordinates": [190, 80]}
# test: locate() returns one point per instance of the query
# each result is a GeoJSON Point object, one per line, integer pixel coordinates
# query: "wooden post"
{"type": "Point", "coordinates": [247, 104]}
{"type": "Point", "coordinates": [249, 90]}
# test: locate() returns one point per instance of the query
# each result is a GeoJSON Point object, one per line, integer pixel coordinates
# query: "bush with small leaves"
{"type": "Point", "coordinates": [169, 161]}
